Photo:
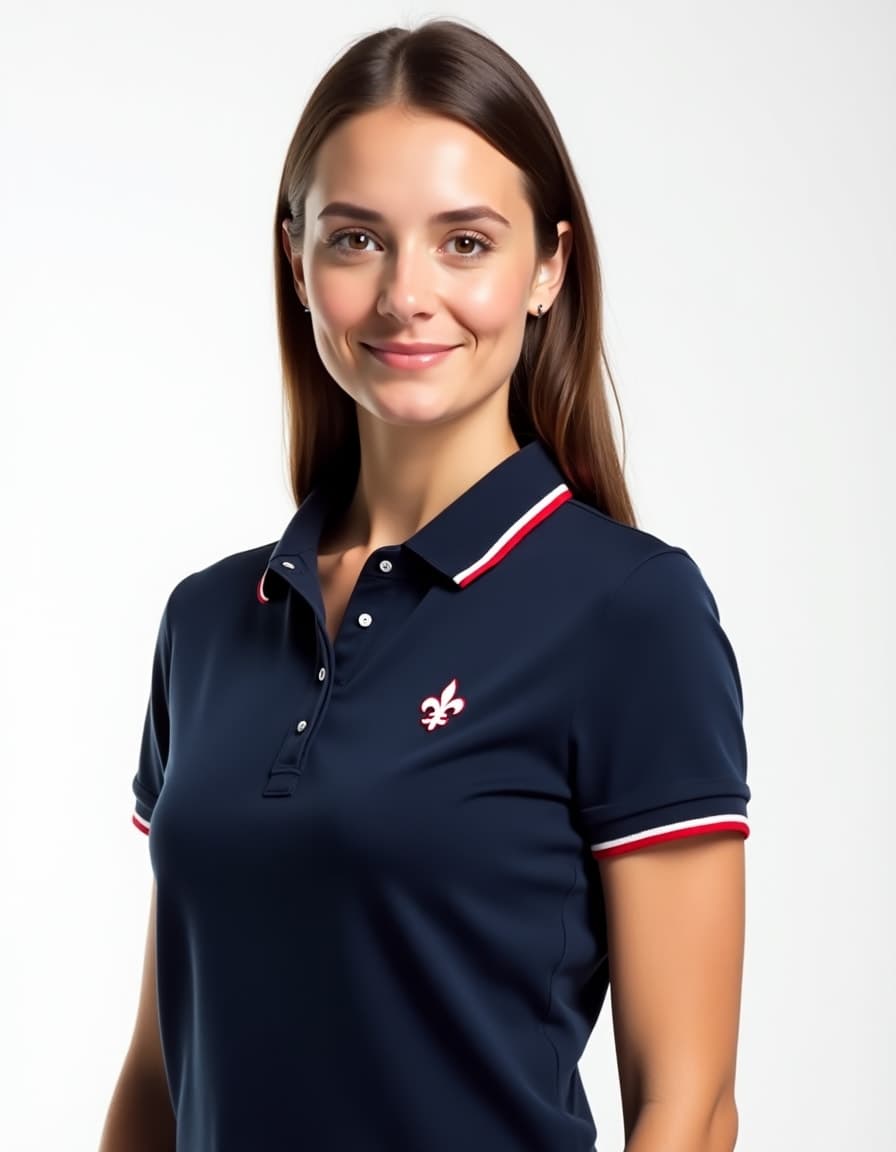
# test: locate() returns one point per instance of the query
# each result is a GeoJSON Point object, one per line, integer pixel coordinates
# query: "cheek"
{"type": "Point", "coordinates": [340, 301]}
{"type": "Point", "coordinates": [492, 304]}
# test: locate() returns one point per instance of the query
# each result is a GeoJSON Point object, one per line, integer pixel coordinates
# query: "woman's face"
{"type": "Point", "coordinates": [391, 254]}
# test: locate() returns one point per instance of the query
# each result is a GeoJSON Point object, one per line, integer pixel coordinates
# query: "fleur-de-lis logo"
{"type": "Point", "coordinates": [437, 710]}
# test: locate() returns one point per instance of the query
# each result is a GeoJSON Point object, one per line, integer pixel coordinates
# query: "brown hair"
{"type": "Point", "coordinates": [557, 391]}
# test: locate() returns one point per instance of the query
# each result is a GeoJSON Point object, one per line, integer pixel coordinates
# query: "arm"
{"type": "Point", "coordinates": [140, 1117]}
{"type": "Point", "coordinates": [675, 923]}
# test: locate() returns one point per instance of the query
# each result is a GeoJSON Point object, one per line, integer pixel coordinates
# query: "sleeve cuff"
{"type": "Point", "coordinates": [662, 833]}
{"type": "Point", "coordinates": [622, 827]}
{"type": "Point", "coordinates": [140, 821]}
{"type": "Point", "coordinates": [144, 804]}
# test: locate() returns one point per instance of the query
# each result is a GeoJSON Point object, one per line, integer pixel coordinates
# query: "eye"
{"type": "Point", "coordinates": [467, 239]}
{"type": "Point", "coordinates": [472, 238]}
{"type": "Point", "coordinates": [349, 234]}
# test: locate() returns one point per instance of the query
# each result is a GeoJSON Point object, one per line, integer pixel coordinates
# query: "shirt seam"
{"type": "Point", "coordinates": [546, 1017]}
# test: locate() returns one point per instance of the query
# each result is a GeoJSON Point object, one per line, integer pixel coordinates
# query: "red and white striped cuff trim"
{"type": "Point", "coordinates": [727, 823]}
{"type": "Point", "coordinates": [140, 823]}
{"type": "Point", "coordinates": [520, 528]}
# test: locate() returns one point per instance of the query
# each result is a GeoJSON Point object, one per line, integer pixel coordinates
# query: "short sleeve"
{"type": "Point", "coordinates": [657, 742]}
{"type": "Point", "coordinates": [153, 752]}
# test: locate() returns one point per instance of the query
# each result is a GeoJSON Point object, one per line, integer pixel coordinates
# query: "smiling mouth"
{"type": "Point", "coordinates": [408, 360]}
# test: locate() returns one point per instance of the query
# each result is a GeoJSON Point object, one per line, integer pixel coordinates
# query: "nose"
{"type": "Point", "coordinates": [407, 288]}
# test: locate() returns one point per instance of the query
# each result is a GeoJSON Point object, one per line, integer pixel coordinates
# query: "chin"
{"type": "Point", "coordinates": [410, 416]}
{"type": "Point", "coordinates": [420, 404]}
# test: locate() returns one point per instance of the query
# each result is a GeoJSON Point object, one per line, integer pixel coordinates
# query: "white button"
{"type": "Point", "coordinates": [322, 674]}
{"type": "Point", "coordinates": [385, 565]}
{"type": "Point", "coordinates": [287, 564]}
{"type": "Point", "coordinates": [301, 726]}
{"type": "Point", "coordinates": [365, 619]}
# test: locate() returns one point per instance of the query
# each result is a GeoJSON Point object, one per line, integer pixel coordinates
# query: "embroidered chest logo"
{"type": "Point", "coordinates": [436, 710]}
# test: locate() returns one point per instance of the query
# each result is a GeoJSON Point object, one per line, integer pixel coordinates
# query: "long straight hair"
{"type": "Point", "coordinates": [557, 390]}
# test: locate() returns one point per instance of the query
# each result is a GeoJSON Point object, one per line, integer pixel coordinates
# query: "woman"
{"type": "Point", "coordinates": [465, 744]}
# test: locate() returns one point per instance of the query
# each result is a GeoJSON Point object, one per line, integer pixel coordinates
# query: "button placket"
{"type": "Point", "coordinates": [289, 764]}
{"type": "Point", "coordinates": [372, 595]}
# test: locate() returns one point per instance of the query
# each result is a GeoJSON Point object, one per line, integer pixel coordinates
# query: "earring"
{"type": "Point", "coordinates": [540, 309]}
{"type": "Point", "coordinates": [307, 309]}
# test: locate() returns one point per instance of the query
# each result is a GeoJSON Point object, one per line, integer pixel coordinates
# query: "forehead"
{"type": "Point", "coordinates": [395, 157]}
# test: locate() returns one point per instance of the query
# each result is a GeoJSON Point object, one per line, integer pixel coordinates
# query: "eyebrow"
{"type": "Point", "coordinates": [452, 216]}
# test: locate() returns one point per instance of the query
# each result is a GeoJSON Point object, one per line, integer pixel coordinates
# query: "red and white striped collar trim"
{"type": "Point", "coordinates": [469, 537]}
{"type": "Point", "coordinates": [508, 540]}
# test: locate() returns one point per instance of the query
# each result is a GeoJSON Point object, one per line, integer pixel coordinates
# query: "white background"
{"type": "Point", "coordinates": [739, 165]}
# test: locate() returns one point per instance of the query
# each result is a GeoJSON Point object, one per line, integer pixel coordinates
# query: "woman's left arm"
{"type": "Point", "coordinates": [675, 924]}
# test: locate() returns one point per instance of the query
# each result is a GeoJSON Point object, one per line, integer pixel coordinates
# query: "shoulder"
{"type": "Point", "coordinates": [226, 584]}
{"type": "Point", "coordinates": [650, 635]}
{"type": "Point", "coordinates": [615, 564]}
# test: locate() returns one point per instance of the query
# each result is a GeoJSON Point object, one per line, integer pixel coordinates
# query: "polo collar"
{"type": "Point", "coordinates": [473, 534]}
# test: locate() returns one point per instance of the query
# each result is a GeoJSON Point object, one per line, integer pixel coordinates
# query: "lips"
{"type": "Point", "coordinates": [408, 349]}
{"type": "Point", "coordinates": [409, 356]}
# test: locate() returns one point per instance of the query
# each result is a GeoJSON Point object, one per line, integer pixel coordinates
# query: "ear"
{"type": "Point", "coordinates": [550, 271]}
{"type": "Point", "coordinates": [295, 260]}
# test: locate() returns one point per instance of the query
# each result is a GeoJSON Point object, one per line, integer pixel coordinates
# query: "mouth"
{"type": "Point", "coordinates": [410, 356]}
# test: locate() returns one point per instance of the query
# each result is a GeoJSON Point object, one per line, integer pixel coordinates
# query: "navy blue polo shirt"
{"type": "Point", "coordinates": [380, 917]}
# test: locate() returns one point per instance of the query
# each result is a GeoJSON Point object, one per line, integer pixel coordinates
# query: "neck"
{"type": "Point", "coordinates": [408, 475]}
